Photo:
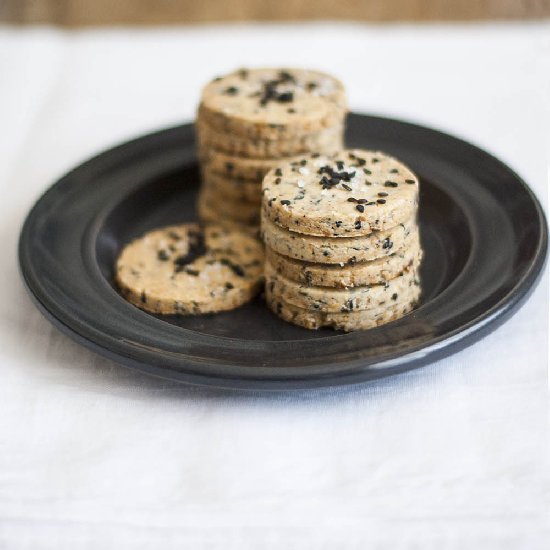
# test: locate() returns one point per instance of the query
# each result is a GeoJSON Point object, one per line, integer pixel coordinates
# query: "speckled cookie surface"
{"type": "Point", "coordinates": [355, 320]}
{"type": "Point", "coordinates": [326, 140]}
{"type": "Point", "coordinates": [237, 167]}
{"type": "Point", "coordinates": [227, 208]}
{"type": "Point", "coordinates": [334, 300]}
{"type": "Point", "coordinates": [234, 188]}
{"type": "Point", "coordinates": [342, 250]}
{"type": "Point", "coordinates": [351, 193]}
{"type": "Point", "coordinates": [273, 103]}
{"type": "Point", "coordinates": [348, 276]}
{"type": "Point", "coordinates": [184, 269]}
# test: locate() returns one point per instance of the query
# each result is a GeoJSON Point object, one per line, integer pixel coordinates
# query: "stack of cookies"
{"type": "Point", "coordinates": [342, 242]}
{"type": "Point", "coordinates": [248, 122]}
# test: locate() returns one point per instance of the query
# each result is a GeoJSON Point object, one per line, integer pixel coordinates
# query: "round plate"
{"type": "Point", "coordinates": [482, 229]}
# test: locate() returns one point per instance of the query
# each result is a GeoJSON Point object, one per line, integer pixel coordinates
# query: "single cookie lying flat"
{"type": "Point", "coordinates": [351, 193]}
{"type": "Point", "coordinates": [336, 300]}
{"type": "Point", "coordinates": [342, 250]}
{"type": "Point", "coordinates": [349, 321]}
{"type": "Point", "coordinates": [348, 276]}
{"type": "Point", "coordinates": [273, 103]}
{"type": "Point", "coordinates": [186, 270]}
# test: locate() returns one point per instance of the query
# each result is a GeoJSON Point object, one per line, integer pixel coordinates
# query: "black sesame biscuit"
{"type": "Point", "coordinates": [347, 321]}
{"type": "Point", "coordinates": [343, 250]}
{"type": "Point", "coordinates": [351, 193]}
{"type": "Point", "coordinates": [273, 103]}
{"type": "Point", "coordinates": [184, 269]}
{"type": "Point", "coordinates": [227, 209]}
{"type": "Point", "coordinates": [232, 166]}
{"type": "Point", "coordinates": [348, 276]}
{"type": "Point", "coordinates": [334, 300]}
{"type": "Point", "coordinates": [233, 188]}
{"type": "Point", "coordinates": [330, 139]}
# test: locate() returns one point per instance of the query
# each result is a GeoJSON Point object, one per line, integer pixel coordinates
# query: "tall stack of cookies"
{"type": "Point", "coordinates": [342, 242]}
{"type": "Point", "coordinates": [248, 122]}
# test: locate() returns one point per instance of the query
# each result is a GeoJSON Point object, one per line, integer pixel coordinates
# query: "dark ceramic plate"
{"type": "Point", "coordinates": [483, 231]}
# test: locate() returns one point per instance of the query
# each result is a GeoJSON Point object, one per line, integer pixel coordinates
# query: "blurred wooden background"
{"type": "Point", "coordinates": [73, 13]}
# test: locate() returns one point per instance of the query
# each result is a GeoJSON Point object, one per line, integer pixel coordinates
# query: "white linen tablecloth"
{"type": "Point", "coordinates": [451, 456]}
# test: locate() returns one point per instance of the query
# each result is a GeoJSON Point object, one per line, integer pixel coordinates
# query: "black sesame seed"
{"type": "Point", "coordinates": [351, 199]}
{"type": "Point", "coordinates": [381, 201]}
{"type": "Point", "coordinates": [285, 202]}
{"type": "Point", "coordinates": [410, 182]}
{"type": "Point", "coordinates": [357, 225]}
{"type": "Point", "coordinates": [394, 171]}
{"type": "Point", "coordinates": [394, 296]}
{"type": "Point", "coordinates": [382, 194]}
{"type": "Point", "coordinates": [278, 172]}
{"type": "Point", "coordinates": [360, 207]}
{"type": "Point", "coordinates": [367, 171]}
{"type": "Point", "coordinates": [237, 269]}
{"type": "Point", "coordinates": [232, 90]}
{"type": "Point", "coordinates": [285, 97]}
{"type": "Point", "coordinates": [391, 184]}
{"type": "Point", "coordinates": [387, 244]}
{"type": "Point", "coordinates": [229, 286]}
{"type": "Point", "coordinates": [338, 223]}
{"type": "Point", "coordinates": [362, 201]}
{"type": "Point", "coordinates": [277, 181]}
{"type": "Point", "coordinates": [361, 162]}
{"type": "Point", "coordinates": [346, 187]}
{"type": "Point", "coordinates": [340, 164]}
{"type": "Point", "coordinates": [192, 272]}
{"type": "Point", "coordinates": [291, 111]}
{"type": "Point", "coordinates": [163, 256]}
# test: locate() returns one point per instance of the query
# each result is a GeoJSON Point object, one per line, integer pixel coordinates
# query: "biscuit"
{"type": "Point", "coordinates": [337, 300]}
{"type": "Point", "coordinates": [226, 208]}
{"type": "Point", "coordinates": [273, 103]}
{"type": "Point", "coordinates": [342, 250]}
{"type": "Point", "coordinates": [234, 188]}
{"type": "Point", "coordinates": [330, 139]}
{"type": "Point", "coordinates": [184, 269]}
{"type": "Point", "coordinates": [348, 276]}
{"type": "Point", "coordinates": [355, 320]}
{"type": "Point", "coordinates": [349, 194]}
{"type": "Point", "coordinates": [231, 166]}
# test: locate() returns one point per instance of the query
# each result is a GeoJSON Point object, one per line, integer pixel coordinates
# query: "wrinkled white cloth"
{"type": "Point", "coordinates": [451, 456]}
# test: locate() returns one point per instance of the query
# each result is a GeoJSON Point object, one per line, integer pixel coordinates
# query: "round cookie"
{"type": "Point", "coordinates": [183, 269]}
{"type": "Point", "coordinates": [343, 250]}
{"type": "Point", "coordinates": [351, 193]}
{"type": "Point", "coordinates": [273, 103]}
{"type": "Point", "coordinates": [355, 320]}
{"type": "Point", "coordinates": [327, 140]}
{"type": "Point", "coordinates": [334, 300]}
{"type": "Point", "coordinates": [347, 276]}
{"type": "Point", "coordinates": [231, 166]}
{"type": "Point", "coordinates": [237, 189]}
{"type": "Point", "coordinates": [225, 208]}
